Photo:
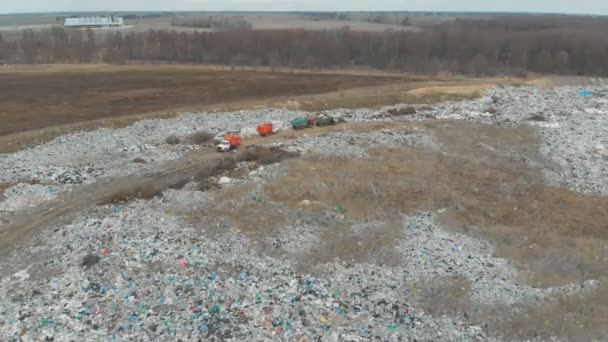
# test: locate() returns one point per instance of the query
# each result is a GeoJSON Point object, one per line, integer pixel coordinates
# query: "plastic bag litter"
{"type": "Point", "coordinates": [248, 132]}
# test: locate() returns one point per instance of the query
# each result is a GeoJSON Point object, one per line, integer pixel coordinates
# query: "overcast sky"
{"type": "Point", "coordinates": [560, 6]}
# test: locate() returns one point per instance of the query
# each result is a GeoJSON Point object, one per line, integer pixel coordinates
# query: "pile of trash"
{"type": "Point", "coordinates": [571, 127]}
{"type": "Point", "coordinates": [23, 196]}
{"type": "Point", "coordinates": [353, 144]}
{"type": "Point", "coordinates": [147, 270]}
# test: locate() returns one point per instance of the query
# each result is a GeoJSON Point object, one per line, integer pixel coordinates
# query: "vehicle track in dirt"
{"type": "Point", "coordinates": [196, 165]}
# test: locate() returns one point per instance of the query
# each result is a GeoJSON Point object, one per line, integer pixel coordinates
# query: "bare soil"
{"type": "Point", "coordinates": [40, 113]}
{"type": "Point", "coordinates": [55, 97]}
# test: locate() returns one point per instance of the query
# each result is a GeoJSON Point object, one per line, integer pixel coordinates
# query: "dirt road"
{"type": "Point", "coordinates": [196, 165]}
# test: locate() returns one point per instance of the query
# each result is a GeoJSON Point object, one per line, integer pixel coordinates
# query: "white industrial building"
{"type": "Point", "coordinates": [94, 22]}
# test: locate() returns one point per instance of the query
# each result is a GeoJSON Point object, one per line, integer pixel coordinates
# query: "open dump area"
{"type": "Point", "coordinates": [483, 219]}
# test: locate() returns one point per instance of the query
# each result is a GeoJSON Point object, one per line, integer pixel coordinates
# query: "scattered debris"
{"type": "Point", "coordinates": [189, 264]}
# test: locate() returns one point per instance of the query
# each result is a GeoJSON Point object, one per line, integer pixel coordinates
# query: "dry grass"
{"type": "Point", "coordinates": [470, 89]}
{"type": "Point", "coordinates": [264, 155]}
{"type": "Point", "coordinates": [373, 100]}
{"type": "Point", "coordinates": [443, 296]}
{"type": "Point", "coordinates": [403, 111]}
{"type": "Point", "coordinates": [578, 317]}
{"type": "Point", "coordinates": [489, 188]}
{"type": "Point", "coordinates": [491, 110]}
{"type": "Point", "coordinates": [139, 191]}
{"type": "Point", "coordinates": [200, 138]}
{"type": "Point", "coordinates": [236, 210]}
{"type": "Point", "coordinates": [172, 140]}
{"type": "Point", "coordinates": [3, 187]}
{"type": "Point", "coordinates": [340, 242]}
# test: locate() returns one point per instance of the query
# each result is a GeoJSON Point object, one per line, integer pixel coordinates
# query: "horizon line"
{"type": "Point", "coordinates": [308, 11]}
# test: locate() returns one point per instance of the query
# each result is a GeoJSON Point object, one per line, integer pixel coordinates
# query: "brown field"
{"type": "Point", "coordinates": [38, 103]}
{"type": "Point", "coordinates": [32, 100]}
{"type": "Point", "coordinates": [259, 22]}
{"type": "Point", "coordinates": [270, 22]}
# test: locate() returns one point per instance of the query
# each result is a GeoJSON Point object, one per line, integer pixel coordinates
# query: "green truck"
{"type": "Point", "coordinates": [300, 123]}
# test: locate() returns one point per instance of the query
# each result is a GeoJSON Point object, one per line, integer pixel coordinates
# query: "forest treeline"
{"type": "Point", "coordinates": [473, 47]}
{"type": "Point", "coordinates": [221, 23]}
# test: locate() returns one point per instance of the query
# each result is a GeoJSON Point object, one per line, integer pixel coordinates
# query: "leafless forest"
{"type": "Point", "coordinates": [515, 45]}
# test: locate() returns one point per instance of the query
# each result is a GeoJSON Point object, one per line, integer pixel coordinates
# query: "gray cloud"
{"type": "Point", "coordinates": [562, 6]}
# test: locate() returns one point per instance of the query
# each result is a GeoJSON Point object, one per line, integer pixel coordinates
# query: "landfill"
{"type": "Point", "coordinates": [147, 270]}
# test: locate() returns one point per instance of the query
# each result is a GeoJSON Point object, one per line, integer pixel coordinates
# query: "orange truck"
{"type": "Point", "coordinates": [230, 142]}
{"type": "Point", "coordinates": [265, 129]}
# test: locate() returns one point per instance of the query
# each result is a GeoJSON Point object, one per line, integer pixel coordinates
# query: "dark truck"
{"type": "Point", "coordinates": [324, 120]}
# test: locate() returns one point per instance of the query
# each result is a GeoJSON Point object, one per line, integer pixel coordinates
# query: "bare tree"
{"type": "Point", "coordinates": [3, 50]}
{"type": "Point", "coordinates": [478, 47]}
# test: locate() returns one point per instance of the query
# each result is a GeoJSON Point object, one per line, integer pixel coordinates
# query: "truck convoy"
{"type": "Point", "coordinates": [232, 141]}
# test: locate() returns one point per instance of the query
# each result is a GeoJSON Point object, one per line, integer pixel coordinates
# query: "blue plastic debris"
{"type": "Point", "coordinates": [172, 279]}
{"type": "Point", "coordinates": [116, 210]}
{"type": "Point", "coordinates": [585, 93]}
